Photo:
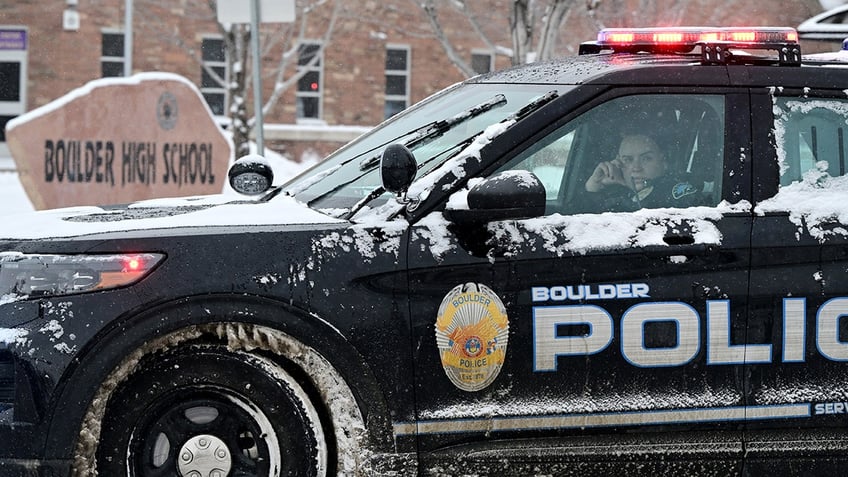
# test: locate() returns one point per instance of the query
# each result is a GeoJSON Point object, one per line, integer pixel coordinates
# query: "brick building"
{"type": "Point", "coordinates": [382, 56]}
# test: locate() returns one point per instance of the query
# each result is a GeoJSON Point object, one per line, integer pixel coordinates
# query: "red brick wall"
{"type": "Point", "coordinates": [60, 61]}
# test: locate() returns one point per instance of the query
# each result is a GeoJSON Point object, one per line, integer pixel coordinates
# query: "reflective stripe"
{"type": "Point", "coordinates": [570, 421]}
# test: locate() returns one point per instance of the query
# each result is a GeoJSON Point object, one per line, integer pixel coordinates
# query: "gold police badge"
{"type": "Point", "coordinates": [472, 330]}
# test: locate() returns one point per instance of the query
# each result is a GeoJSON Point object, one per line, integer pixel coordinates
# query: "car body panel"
{"type": "Point", "coordinates": [652, 340]}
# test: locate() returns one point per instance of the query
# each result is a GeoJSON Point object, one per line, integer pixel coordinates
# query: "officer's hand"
{"type": "Point", "coordinates": [607, 173]}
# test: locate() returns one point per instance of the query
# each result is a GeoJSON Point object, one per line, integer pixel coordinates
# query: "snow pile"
{"type": "Point", "coordinates": [816, 203]}
{"type": "Point", "coordinates": [492, 405]}
{"type": "Point", "coordinates": [13, 336]}
{"type": "Point", "coordinates": [456, 165]}
{"type": "Point", "coordinates": [162, 214]}
{"type": "Point", "coordinates": [584, 233]}
{"type": "Point", "coordinates": [13, 198]}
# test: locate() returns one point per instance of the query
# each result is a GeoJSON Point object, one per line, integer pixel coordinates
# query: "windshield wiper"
{"type": "Point", "coordinates": [421, 135]}
{"type": "Point", "coordinates": [516, 116]}
{"type": "Point", "coordinates": [534, 105]}
{"type": "Point", "coordinates": [436, 129]}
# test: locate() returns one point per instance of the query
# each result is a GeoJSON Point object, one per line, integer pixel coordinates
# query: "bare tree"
{"type": "Point", "coordinates": [541, 29]}
{"type": "Point", "coordinates": [284, 39]}
{"type": "Point", "coordinates": [288, 39]}
{"type": "Point", "coordinates": [529, 21]}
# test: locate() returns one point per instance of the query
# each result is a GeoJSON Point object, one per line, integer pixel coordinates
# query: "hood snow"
{"type": "Point", "coordinates": [201, 211]}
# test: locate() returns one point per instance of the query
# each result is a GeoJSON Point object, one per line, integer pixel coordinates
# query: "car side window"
{"type": "Point", "coordinates": [632, 152]}
{"type": "Point", "coordinates": [812, 137]}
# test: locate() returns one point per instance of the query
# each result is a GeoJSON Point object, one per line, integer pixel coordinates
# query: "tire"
{"type": "Point", "coordinates": [203, 411]}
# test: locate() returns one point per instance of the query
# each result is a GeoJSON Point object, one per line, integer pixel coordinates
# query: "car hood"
{"type": "Point", "coordinates": [159, 214]}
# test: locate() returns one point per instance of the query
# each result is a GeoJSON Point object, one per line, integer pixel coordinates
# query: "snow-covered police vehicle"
{"type": "Point", "coordinates": [632, 260]}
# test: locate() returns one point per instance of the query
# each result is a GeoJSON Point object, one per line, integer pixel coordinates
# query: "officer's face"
{"type": "Point", "coordinates": [641, 160]}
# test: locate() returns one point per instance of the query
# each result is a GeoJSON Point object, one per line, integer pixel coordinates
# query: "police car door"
{"type": "Point", "coordinates": [597, 331]}
{"type": "Point", "coordinates": [799, 294]}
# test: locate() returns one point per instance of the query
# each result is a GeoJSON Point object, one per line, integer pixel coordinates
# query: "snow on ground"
{"type": "Point", "coordinates": [13, 199]}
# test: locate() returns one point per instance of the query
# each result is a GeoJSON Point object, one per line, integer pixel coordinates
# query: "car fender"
{"type": "Point", "coordinates": [240, 321]}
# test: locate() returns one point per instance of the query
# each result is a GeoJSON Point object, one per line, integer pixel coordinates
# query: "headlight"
{"type": "Point", "coordinates": [40, 275]}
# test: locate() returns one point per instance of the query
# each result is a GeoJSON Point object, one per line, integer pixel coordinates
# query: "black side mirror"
{"type": "Point", "coordinates": [508, 195]}
{"type": "Point", "coordinates": [251, 175]}
{"type": "Point", "coordinates": [397, 168]}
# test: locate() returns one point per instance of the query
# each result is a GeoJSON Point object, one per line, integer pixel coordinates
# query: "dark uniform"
{"type": "Point", "coordinates": [659, 193]}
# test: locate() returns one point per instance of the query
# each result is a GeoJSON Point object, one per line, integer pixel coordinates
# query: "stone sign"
{"type": "Point", "coordinates": [119, 140]}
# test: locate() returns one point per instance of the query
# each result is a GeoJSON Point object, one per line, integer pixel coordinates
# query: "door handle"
{"type": "Point", "coordinates": [679, 239]}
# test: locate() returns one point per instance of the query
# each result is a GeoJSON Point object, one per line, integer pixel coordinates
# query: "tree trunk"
{"type": "Point", "coordinates": [555, 16]}
{"type": "Point", "coordinates": [521, 26]}
{"type": "Point", "coordinates": [238, 40]}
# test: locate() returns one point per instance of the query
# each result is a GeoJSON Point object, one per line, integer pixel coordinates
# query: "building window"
{"type": "Point", "coordinates": [112, 54]}
{"type": "Point", "coordinates": [397, 80]}
{"type": "Point", "coordinates": [309, 86]}
{"type": "Point", "coordinates": [213, 89]}
{"type": "Point", "coordinates": [13, 75]}
{"type": "Point", "coordinates": [482, 62]}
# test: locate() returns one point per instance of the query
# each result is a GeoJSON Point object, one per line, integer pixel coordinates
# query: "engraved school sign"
{"type": "Point", "coordinates": [119, 140]}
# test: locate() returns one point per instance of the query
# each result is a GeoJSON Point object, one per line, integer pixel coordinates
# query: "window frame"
{"type": "Point", "coordinates": [13, 108]}
{"type": "Point", "coordinates": [405, 73]}
{"type": "Point", "coordinates": [206, 91]}
{"type": "Point", "coordinates": [300, 95]}
{"type": "Point", "coordinates": [807, 115]}
{"type": "Point", "coordinates": [578, 126]}
{"type": "Point", "coordinates": [111, 59]}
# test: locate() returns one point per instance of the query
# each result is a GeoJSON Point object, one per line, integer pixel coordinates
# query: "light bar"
{"type": "Point", "coordinates": [680, 38]}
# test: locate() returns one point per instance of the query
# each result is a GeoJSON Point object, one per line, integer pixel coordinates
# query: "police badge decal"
{"type": "Point", "coordinates": [472, 330]}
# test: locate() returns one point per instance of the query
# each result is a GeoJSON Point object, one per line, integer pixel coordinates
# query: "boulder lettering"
{"type": "Point", "coordinates": [102, 162]}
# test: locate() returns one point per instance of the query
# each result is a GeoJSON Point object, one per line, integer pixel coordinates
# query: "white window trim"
{"type": "Point", "coordinates": [16, 108]}
{"type": "Point", "coordinates": [111, 59]}
{"type": "Point", "coordinates": [212, 64]}
{"type": "Point", "coordinates": [406, 73]}
{"type": "Point", "coordinates": [309, 94]}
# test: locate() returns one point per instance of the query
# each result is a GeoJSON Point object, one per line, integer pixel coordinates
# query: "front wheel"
{"type": "Point", "coordinates": [203, 411]}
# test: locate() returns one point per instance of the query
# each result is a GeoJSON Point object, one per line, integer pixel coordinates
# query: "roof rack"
{"type": "Point", "coordinates": [716, 44]}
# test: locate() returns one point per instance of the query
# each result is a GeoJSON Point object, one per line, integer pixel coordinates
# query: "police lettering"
{"type": "Point", "coordinates": [471, 298]}
{"type": "Point", "coordinates": [474, 363]}
{"type": "Point", "coordinates": [590, 292]}
{"type": "Point", "coordinates": [550, 345]}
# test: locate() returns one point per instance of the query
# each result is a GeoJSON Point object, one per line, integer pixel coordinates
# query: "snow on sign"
{"type": "Point", "coordinates": [270, 11]}
{"type": "Point", "coordinates": [119, 140]}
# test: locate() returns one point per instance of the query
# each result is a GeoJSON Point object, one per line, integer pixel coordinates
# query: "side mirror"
{"type": "Point", "coordinates": [508, 195]}
{"type": "Point", "coordinates": [251, 175]}
{"type": "Point", "coordinates": [397, 168]}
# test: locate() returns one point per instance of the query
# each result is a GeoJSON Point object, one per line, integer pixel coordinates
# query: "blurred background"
{"type": "Point", "coordinates": [334, 71]}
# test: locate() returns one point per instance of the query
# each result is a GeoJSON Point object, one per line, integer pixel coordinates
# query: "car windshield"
{"type": "Point", "coordinates": [352, 173]}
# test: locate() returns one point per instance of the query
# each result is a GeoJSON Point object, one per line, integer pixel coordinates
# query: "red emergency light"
{"type": "Point", "coordinates": [712, 40]}
{"type": "Point", "coordinates": [691, 36]}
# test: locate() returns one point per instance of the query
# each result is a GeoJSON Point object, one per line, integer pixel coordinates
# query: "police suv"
{"type": "Point", "coordinates": [632, 260]}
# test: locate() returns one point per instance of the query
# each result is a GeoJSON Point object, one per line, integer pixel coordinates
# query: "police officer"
{"type": "Point", "coordinates": [639, 177]}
